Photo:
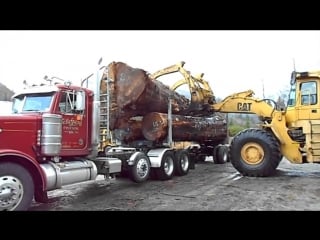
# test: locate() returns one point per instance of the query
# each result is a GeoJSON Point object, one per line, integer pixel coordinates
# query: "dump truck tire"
{"type": "Point", "coordinates": [255, 152]}
{"type": "Point", "coordinates": [16, 187]}
{"type": "Point", "coordinates": [182, 162]}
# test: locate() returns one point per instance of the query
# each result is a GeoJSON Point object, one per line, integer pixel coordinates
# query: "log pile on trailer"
{"type": "Point", "coordinates": [139, 107]}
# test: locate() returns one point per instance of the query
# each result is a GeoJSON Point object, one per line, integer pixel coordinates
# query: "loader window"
{"type": "Point", "coordinates": [292, 96]}
{"type": "Point", "coordinates": [308, 93]}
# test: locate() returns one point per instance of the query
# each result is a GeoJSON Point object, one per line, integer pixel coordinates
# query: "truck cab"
{"type": "Point", "coordinates": [45, 143]}
{"type": "Point", "coordinates": [70, 103]}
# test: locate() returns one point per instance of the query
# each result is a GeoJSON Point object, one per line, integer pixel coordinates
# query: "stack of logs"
{"type": "Point", "coordinates": [139, 107]}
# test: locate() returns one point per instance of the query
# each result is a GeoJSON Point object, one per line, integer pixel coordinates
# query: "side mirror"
{"type": "Point", "coordinates": [80, 103]}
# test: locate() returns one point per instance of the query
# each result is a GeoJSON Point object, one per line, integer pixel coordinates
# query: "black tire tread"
{"type": "Point", "coordinates": [133, 172]}
{"type": "Point", "coordinates": [14, 169]}
{"type": "Point", "coordinates": [178, 168]}
{"type": "Point", "coordinates": [271, 147]}
{"type": "Point", "coordinates": [219, 152]}
{"type": "Point", "coordinates": [160, 173]}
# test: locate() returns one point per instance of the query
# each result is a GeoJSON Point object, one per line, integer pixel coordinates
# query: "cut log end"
{"type": "Point", "coordinates": [154, 126]}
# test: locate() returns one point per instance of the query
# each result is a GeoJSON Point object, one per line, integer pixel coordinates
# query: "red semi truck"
{"type": "Point", "coordinates": [52, 139]}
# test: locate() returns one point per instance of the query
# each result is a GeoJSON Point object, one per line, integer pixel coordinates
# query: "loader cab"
{"type": "Point", "coordinates": [303, 113]}
{"type": "Point", "coordinates": [303, 102]}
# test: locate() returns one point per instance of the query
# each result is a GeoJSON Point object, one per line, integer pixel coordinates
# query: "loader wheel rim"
{"type": "Point", "coordinates": [142, 167]}
{"type": "Point", "coordinates": [252, 153]}
{"type": "Point", "coordinates": [11, 192]}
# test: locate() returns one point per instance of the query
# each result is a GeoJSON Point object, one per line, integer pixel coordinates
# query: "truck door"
{"type": "Point", "coordinates": [308, 106]}
{"type": "Point", "coordinates": [74, 124]}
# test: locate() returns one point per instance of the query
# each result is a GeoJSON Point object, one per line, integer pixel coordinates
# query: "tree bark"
{"type": "Point", "coordinates": [139, 107]}
{"type": "Point", "coordinates": [134, 93]}
{"type": "Point", "coordinates": [184, 128]}
{"type": "Point", "coordinates": [129, 131]}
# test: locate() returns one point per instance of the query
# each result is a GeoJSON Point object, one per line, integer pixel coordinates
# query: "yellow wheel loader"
{"type": "Point", "coordinates": [293, 133]}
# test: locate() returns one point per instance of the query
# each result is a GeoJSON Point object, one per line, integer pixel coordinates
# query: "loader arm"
{"type": "Point", "coordinates": [171, 69]}
{"type": "Point", "coordinates": [244, 102]}
{"type": "Point", "coordinates": [200, 91]}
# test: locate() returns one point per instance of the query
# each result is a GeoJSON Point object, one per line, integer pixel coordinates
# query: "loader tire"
{"type": "Point", "coordinates": [16, 187]}
{"type": "Point", "coordinates": [255, 153]}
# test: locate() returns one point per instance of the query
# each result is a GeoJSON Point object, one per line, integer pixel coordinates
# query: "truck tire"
{"type": "Point", "coordinates": [16, 187]}
{"type": "Point", "coordinates": [166, 170]}
{"type": "Point", "coordinates": [140, 171]}
{"type": "Point", "coordinates": [182, 162]}
{"type": "Point", "coordinates": [221, 154]}
{"type": "Point", "coordinates": [255, 152]}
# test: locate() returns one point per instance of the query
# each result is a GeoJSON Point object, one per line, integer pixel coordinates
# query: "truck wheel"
{"type": "Point", "coordinates": [221, 154]}
{"type": "Point", "coordinates": [166, 169]}
{"type": "Point", "coordinates": [255, 152]}
{"type": "Point", "coordinates": [16, 187]}
{"type": "Point", "coordinates": [182, 162]}
{"type": "Point", "coordinates": [140, 171]}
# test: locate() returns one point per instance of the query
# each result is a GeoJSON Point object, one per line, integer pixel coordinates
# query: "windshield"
{"type": "Point", "coordinates": [32, 103]}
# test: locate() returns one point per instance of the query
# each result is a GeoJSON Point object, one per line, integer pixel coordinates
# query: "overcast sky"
{"type": "Point", "coordinates": [232, 61]}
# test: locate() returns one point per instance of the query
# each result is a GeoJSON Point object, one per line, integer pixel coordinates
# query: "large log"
{"type": "Point", "coordinates": [130, 130]}
{"type": "Point", "coordinates": [139, 105]}
{"type": "Point", "coordinates": [184, 128]}
{"type": "Point", "coordinates": [134, 93]}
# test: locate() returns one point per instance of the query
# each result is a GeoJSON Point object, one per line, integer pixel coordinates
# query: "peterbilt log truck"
{"type": "Point", "coordinates": [56, 136]}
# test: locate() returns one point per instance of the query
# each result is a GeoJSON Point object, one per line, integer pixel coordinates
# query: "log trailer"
{"type": "Point", "coordinates": [59, 134]}
{"type": "Point", "coordinates": [293, 132]}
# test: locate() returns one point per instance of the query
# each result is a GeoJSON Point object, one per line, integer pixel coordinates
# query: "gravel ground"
{"type": "Point", "coordinates": [209, 186]}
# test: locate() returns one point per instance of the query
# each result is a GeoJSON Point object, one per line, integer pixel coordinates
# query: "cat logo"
{"type": "Point", "coordinates": [246, 107]}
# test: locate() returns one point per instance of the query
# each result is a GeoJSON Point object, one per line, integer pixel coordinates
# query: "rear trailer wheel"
{"type": "Point", "coordinates": [255, 152]}
{"type": "Point", "coordinates": [140, 171]}
{"type": "Point", "coordinates": [182, 162]}
{"type": "Point", "coordinates": [166, 169]}
{"type": "Point", "coordinates": [16, 187]}
{"type": "Point", "coordinates": [221, 154]}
